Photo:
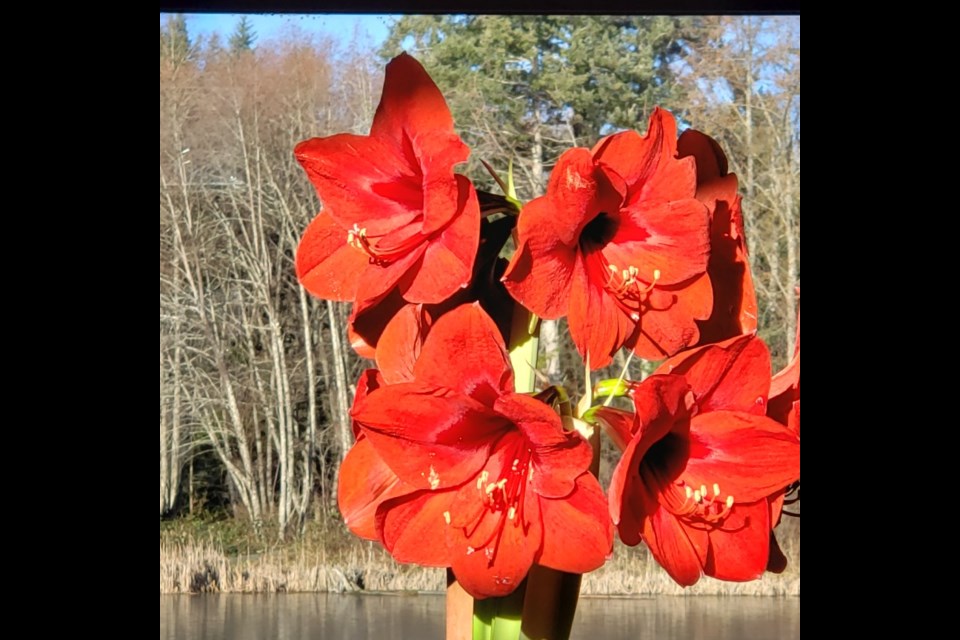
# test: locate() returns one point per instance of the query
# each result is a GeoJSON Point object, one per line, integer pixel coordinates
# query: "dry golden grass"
{"type": "Point", "coordinates": [197, 566]}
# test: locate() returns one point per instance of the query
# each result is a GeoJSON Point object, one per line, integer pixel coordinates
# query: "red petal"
{"type": "Point", "coordinates": [710, 159]}
{"type": "Point", "coordinates": [370, 380]}
{"type": "Point", "coordinates": [363, 181]}
{"type": "Point", "coordinates": [732, 375]}
{"type": "Point", "coordinates": [735, 300]}
{"type": "Point", "coordinates": [497, 568]}
{"type": "Point", "coordinates": [431, 438]}
{"type": "Point", "coordinates": [365, 482]}
{"type": "Point", "coordinates": [789, 377]}
{"type": "Point", "coordinates": [576, 193]}
{"type": "Point", "coordinates": [413, 114]}
{"type": "Point", "coordinates": [617, 424]}
{"type": "Point", "coordinates": [593, 319]}
{"type": "Point", "coordinates": [670, 237]}
{"type": "Point", "coordinates": [369, 318]}
{"type": "Point", "coordinates": [740, 548]}
{"type": "Point", "coordinates": [578, 535]}
{"type": "Point", "coordinates": [359, 344]}
{"type": "Point", "coordinates": [464, 351]}
{"type": "Point", "coordinates": [668, 325]}
{"type": "Point", "coordinates": [413, 528]}
{"type": "Point", "coordinates": [750, 457]}
{"type": "Point", "coordinates": [327, 266]}
{"type": "Point", "coordinates": [648, 164]}
{"type": "Point", "coordinates": [400, 343]}
{"type": "Point", "coordinates": [559, 457]}
{"type": "Point", "coordinates": [447, 264]}
{"type": "Point", "coordinates": [678, 549]}
{"type": "Point", "coordinates": [539, 273]}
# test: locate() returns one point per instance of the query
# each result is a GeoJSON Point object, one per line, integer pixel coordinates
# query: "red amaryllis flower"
{"type": "Point", "coordinates": [395, 216]}
{"type": "Point", "coordinates": [620, 245]}
{"type": "Point", "coordinates": [734, 299]}
{"type": "Point", "coordinates": [701, 463]}
{"type": "Point", "coordinates": [495, 483]}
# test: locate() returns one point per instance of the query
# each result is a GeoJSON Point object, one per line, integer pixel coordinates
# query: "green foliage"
{"type": "Point", "coordinates": [175, 44]}
{"type": "Point", "coordinates": [243, 36]}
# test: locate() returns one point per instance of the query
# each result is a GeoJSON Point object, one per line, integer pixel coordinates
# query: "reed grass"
{"type": "Point", "coordinates": [333, 562]}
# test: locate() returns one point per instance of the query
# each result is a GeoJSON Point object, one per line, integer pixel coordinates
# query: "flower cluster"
{"type": "Point", "coordinates": [639, 244]}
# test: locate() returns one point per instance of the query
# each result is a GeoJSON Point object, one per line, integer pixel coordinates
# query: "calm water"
{"type": "Point", "coordinates": [356, 617]}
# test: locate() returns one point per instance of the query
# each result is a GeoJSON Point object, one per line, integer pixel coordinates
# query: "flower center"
{"type": "Point", "coordinates": [629, 288]}
{"type": "Point", "coordinates": [502, 500]}
{"type": "Point", "coordinates": [598, 231]}
{"type": "Point", "coordinates": [382, 252]}
{"type": "Point", "coordinates": [703, 505]}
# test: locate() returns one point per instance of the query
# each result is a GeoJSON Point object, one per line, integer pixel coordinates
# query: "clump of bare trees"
{"type": "Point", "coordinates": [251, 368]}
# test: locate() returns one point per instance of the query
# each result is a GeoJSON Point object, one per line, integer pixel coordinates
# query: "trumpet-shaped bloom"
{"type": "Point", "coordinates": [620, 245]}
{"type": "Point", "coordinates": [702, 463]}
{"type": "Point", "coordinates": [734, 299]}
{"type": "Point", "coordinates": [491, 481]}
{"type": "Point", "coordinates": [395, 217]}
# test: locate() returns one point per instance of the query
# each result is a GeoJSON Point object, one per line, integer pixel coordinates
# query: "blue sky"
{"type": "Point", "coordinates": [268, 26]}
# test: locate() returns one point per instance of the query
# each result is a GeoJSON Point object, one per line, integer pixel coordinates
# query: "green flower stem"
{"type": "Point", "coordinates": [524, 345]}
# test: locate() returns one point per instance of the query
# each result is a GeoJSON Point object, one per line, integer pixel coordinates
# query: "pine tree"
{"type": "Point", "coordinates": [528, 87]}
{"type": "Point", "coordinates": [175, 44]}
{"type": "Point", "coordinates": [243, 36]}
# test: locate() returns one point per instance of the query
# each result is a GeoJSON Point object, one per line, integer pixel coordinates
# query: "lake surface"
{"type": "Point", "coordinates": [311, 616]}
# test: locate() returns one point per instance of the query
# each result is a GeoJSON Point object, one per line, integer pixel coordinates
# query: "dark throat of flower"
{"type": "Point", "coordinates": [705, 506]}
{"type": "Point", "coordinates": [629, 288]}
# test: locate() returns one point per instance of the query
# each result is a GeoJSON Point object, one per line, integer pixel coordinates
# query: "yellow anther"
{"type": "Point", "coordinates": [689, 491]}
{"type": "Point", "coordinates": [656, 274]}
{"type": "Point", "coordinates": [716, 489]}
{"type": "Point", "coordinates": [355, 235]}
{"type": "Point", "coordinates": [511, 513]}
{"type": "Point", "coordinates": [703, 490]}
{"type": "Point", "coordinates": [516, 463]}
{"type": "Point", "coordinates": [446, 517]}
{"type": "Point", "coordinates": [482, 479]}
{"type": "Point", "coordinates": [696, 496]}
{"type": "Point", "coordinates": [612, 267]}
{"type": "Point", "coordinates": [501, 483]}
{"type": "Point", "coordinates": [490, 488]}
{"type": "Point", "coordinates": [729, 502]}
